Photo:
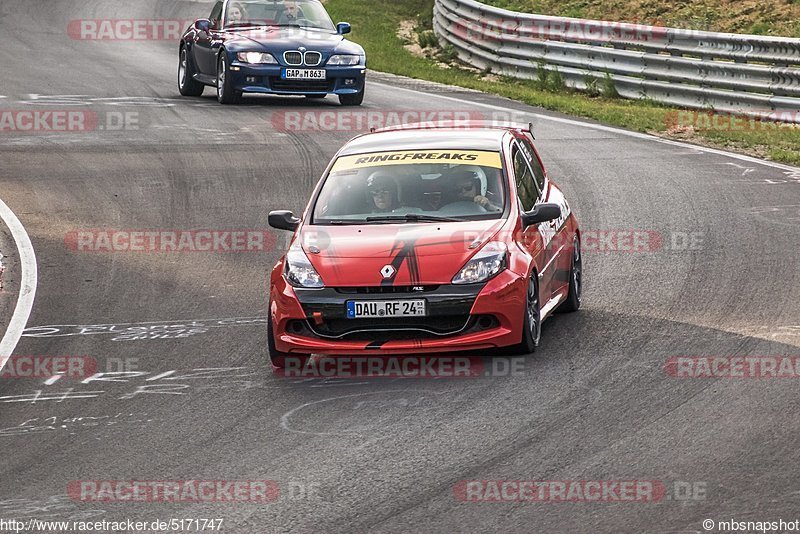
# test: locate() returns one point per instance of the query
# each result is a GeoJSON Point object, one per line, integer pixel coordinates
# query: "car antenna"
{"type": "Point", "coordinates": [371, 129]}
{"type": "Point", "coordinates": [530, 130]}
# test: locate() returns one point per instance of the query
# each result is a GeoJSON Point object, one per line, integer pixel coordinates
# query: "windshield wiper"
{"type": "Point", "coordinates": [412, 217]}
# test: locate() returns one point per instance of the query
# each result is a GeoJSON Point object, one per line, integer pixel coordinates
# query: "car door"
{"type": "Point", "coordinates": [555, 231]}
{"type": "Point", "coordinates": [204, 53]}
{"type": "Point", "coordinates": [534, 237]}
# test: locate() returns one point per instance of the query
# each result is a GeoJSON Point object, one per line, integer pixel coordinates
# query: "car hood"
{"type": "Point", "coordinates": [280, 39]}
{"type": "Point", "coordinates": [420, 254]}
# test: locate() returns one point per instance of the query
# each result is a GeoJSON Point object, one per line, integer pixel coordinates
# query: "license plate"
{"type": "Point", "coordinates": [303, 74]}
{"type": "Point", "coordinates": [359, 309]}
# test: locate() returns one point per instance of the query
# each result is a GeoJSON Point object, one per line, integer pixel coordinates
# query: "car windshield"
{"type": "Point", "coordinates": [412, 186]}
{"type": "Point", "coordinates": [290, 13]}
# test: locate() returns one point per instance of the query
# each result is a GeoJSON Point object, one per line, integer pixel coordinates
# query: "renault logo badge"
{"type": "Point", "coordinates": [388, 271]}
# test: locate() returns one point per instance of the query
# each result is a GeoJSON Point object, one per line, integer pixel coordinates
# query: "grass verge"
{"type": "Point", "coordinates": [375, 27]}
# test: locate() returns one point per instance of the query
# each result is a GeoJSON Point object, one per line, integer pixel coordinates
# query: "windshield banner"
{"type": "Point", "coordinates": [467, 157]}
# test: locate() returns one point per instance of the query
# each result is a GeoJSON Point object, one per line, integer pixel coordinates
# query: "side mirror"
{"type": "Point", "coordinates": [541, 213]}
{"type": "Point", "coordinates": [343, 28]}
{"type": "Point", "coordinates": [202, 25]}
{"type": "Point", "coordinates": [283, 220]}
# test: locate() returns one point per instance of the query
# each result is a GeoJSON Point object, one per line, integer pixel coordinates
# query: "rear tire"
{"type": "Point", "coordinates": [187, 85]}
{"type": "Point", "coordinates": [276, 357]}
{"type": "Point", "coordinates": [573, 302]}
{"type": "Point", "coordinates": [352, 100]}
{"type": "Point", "coordinates": [225, 92]}
{"type": "Point", "coordinates": [531, 322]}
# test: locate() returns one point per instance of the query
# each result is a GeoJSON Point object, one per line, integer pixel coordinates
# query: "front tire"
{"type": "Point", "coordinates": [225, 92]}
{"type": "Point", "coordinates": [352, 100]}
{"type": "Point", "coordinates": [187, 85]}
{"type": "Point", "coordinates": [532, 321]}
{"type": "Point", "coordinates": [573, 302]}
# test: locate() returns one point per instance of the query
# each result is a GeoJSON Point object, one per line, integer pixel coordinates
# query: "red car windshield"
{"type": "Point", "coordinates": [419, 185]}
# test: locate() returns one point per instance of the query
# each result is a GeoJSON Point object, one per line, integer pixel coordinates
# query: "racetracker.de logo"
{"type": "Point", "coordinates": [757, 120]}
{"type": "Point", "coordinates": [176, 491]}
{"type": "Point", "coordinates": [365, 120]}
{"type": "Point", "coordinates": [552, 491]}
{"type": "Point", "coordinates": [49, 366]}
{"type": "Point", "coordinates": [257, 240]}
{"type": "Point", "coordinates": [398, 367]}
{"type": "Point", "coordinates": [733, 367]}
{"type": "Point", "coordinates": [127, 29]}
{"type": "Point", "coordinates": [44, 121]}
{"type": "Point", "coordinates": [554, 29]}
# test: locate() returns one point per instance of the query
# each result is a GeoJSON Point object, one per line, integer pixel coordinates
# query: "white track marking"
{"type": "Point", "coordinates": [27, 290]}
{"type": "Point", "coordinates": [603, 128]}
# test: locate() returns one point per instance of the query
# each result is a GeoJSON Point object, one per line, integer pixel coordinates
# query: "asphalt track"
{"type": "Point", "coordinates": [378, 455]}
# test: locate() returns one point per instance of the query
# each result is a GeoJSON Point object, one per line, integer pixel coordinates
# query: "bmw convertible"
{"type": "Point", "coordinates": [283, 47]}
{"type": "Point", "coordinates": [426, 239]}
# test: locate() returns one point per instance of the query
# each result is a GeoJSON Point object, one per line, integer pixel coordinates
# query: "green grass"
{"type": "Point", "coordinates": [385, 52]}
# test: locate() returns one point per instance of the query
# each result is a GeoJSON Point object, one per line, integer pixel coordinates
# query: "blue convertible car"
{"type": "Point", "coordinates": [287, 47]}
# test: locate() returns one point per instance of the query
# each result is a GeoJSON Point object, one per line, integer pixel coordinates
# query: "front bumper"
{"type": "Point", "coordinates": [469, 317]}
{"type": "Point", "coordinates": [249, 78]}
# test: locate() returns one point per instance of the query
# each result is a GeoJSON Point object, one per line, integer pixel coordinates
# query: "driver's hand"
{"type": "Point", "coordinates": [481, 200]}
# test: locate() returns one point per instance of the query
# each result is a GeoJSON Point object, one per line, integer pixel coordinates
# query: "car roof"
{"type": "Point", "coordinates": [410, 137]}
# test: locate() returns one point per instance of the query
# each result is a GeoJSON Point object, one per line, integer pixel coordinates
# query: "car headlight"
{"type": "Point", "coordinates": [256, 57]}
{"type": "Point", "coordinates": [491, 259]}
{"type": "Point", "coordinates": [345, 60]}
{"type": "Point", "coordinates": [299, 271]}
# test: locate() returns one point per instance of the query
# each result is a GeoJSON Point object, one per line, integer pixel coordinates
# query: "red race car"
{"type": "Point", "coordinates": [426, 239]}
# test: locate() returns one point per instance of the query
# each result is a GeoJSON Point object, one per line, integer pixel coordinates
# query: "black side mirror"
{"type": "Point", "coordinates": [343, 28]}
{"type": "Point", "coordinates": [541, 213]}
{"type": "Point", "coordinates": [202, 25]}
{"type": "Point", "coordinates": [283, 220]}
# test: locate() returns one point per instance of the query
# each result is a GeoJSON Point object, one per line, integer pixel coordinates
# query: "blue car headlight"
{"type": "Point", "coordinates": [345, 60]}
{"type": "Point", "coordinates": [489, 261]}
{"type": "Point", "coordinates": [261, 58]}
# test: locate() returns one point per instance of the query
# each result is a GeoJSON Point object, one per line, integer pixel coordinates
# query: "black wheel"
{"type": "Point", "coordinates": [352, 100]}
{"type": "Point", "coordinates": [532, 322]}
{"type": "Point", "coordinates": [187, 85]}
{"type": "Point", "coordinates": [276, 357]}
{"type": "Point", "coordinates": [573, 301]}
{"type": "Point", "coordinates": [225, 92]}
{"type": "Point", "coordinates": [316, 96]}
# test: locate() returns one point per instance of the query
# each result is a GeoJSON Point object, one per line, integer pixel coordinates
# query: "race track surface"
{"type": "Point", "coordinates": [594, 403]}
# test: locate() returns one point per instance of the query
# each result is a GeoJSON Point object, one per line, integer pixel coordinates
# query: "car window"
{"type": "Point", "coordinates": [463, 184]}
{"type": "Point", "coordinates": [303, 13]}
{"type": "Point", "coordinates": [530, 156]}
{"type": "Point", "coordinates": [216, 15]}
{"type": "Point", "coordinates": [526, 187]}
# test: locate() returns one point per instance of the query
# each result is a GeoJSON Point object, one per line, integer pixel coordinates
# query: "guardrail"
{"type": "Point", "coordinates": [743, 74]}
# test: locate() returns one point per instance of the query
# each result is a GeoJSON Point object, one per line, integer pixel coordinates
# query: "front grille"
{"type": "Point", "coordinates": [370, 290]}
{"type": "Point", "coordinates": [301, 86]}
{"type": "Point", "coordinates": [293, 58]}
{"type": "Point", "coordinates": [312, 59]}
{"type": "Point", "coordinates": [382, 330]}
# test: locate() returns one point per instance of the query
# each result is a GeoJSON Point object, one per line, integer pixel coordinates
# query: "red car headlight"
{"type": "Point", "coordinates": [490, 260]}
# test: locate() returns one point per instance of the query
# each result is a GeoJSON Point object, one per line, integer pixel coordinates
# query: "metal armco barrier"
{"type": "Point", "coordinates": [746, 74]}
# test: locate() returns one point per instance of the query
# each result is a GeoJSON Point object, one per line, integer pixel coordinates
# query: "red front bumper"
{"type": "Point", "coordinates": [503, 297]}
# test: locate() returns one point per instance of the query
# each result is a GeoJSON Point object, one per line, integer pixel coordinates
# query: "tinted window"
{"type": "Point", "coordinates": [215, 15]}
{"type": "Point", "coordinates": [526, 188]}
{"type": "Point", "coordinates": [530, 156]}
